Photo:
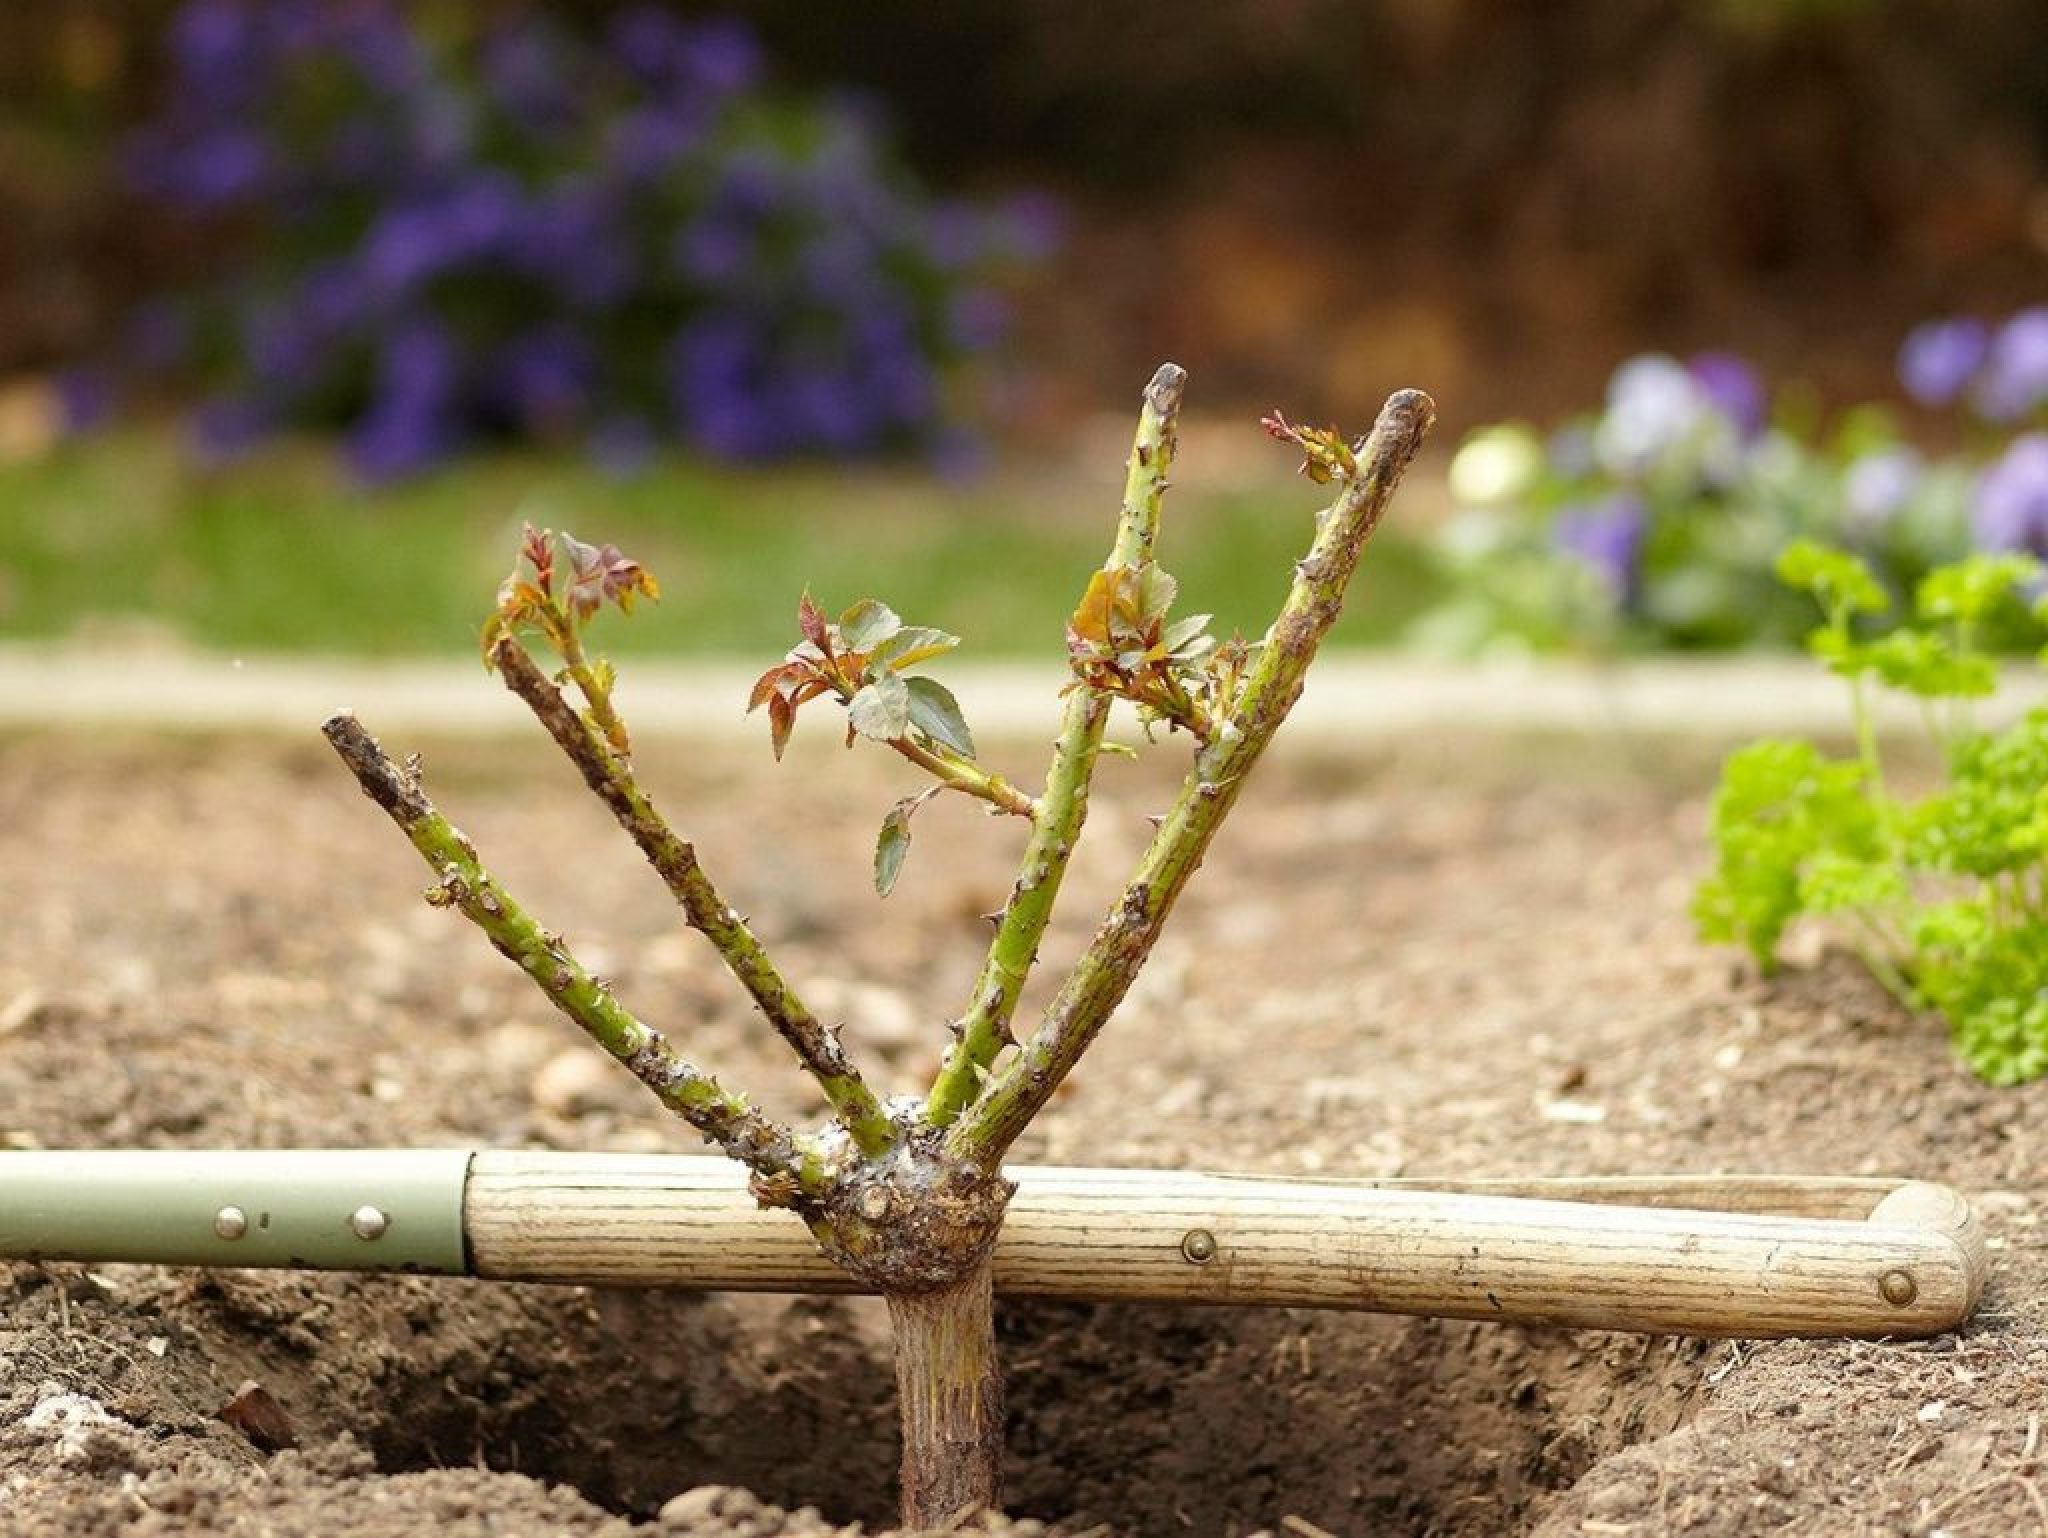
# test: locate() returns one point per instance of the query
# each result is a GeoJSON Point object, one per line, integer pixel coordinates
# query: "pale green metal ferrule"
{"type": "Point", "coordinates": [316, 1209]}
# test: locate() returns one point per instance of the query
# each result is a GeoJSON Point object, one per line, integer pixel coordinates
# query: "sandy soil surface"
{"type": "Point", "coordinates": [1458, 955]}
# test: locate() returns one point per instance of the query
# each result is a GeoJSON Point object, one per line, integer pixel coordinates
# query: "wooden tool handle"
{"type": "Point", "coordinates": [1702, 1255]}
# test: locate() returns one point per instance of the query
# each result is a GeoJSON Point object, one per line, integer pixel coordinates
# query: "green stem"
{"type": "Point", "coordinates": [1022, 1086]}
{"type": "Point", "coordinates": [984, 1030]}
{"type": "Point", "coordinates": [1877, 957]}
{"type": "Point", "coordinates": [595, 695]}
{"type": "Point", "coordinates": [611, 779]}
{"type": "Point", "coordinates": [1866, 736]}
{"type": "Point", "coordinates": [968, 777]}
{"type": "Point", "coordinates": [764, 1146]}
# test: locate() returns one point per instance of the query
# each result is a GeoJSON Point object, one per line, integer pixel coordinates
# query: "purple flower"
{"type": "Point", "coordinates": [752, 187]}
{"type": "Point", "coordinates": [1937, 360]}
{"type": "Point", "coordinates": [955, 236]}
{"type": "Point", "coordinates": [526, 68]}
{"type": "Point", "coordinates": [374, 38]}
{"type": "Point", "coordinates": [468, 225]}
{"type": "Point", "coordinates": [1607, 536]}
{"type": "Point", "coordinates": [404, 248]}
{"type": "Point", "coordinates": [1732, 387]}
{"type": "Point", "coordinates": [721, 55]}
{"type": "Point", "coordinates": [714, 252]}
{"type": "Point", "coordinates": [2011, 511]}
{"type": "Point", "coordinates": [2015, 377]}
{"type": "Point", "coordinates": [398, 438]}
{"type": "Point", "coordinates": [716, 56]}
{"type": "Point", "coordinates": [420, 369]}
{"type": "Point", "coordinates": [572, 240]}
{"type": "Point", "coordinates": [648, 41]}
{"type": "Point", "coordinates": [647, 142]}
{"type": "Point", "coordinates": [715, 375]}
{"type": "Point", "coordinates": [828, 410]}
{"type": "Point", "coordinates": [1034, 226]}
{"type": "Point", "coordinates": [417, 242]}
{"type": "Point", "coordinates": [839, 271]}
{"type": "Point", "coordinates": [218, 48]}
{"type": "Point", "coordinates": [896, 374]}
{"type": "Point", "coordinates": [85, 399]}
{"type": "Point", "coordinates": [205, 171]}
{"type": "Point", "coordinates": [1877, 487]}
{"type": "Point", "coordinates": [1653, 406]}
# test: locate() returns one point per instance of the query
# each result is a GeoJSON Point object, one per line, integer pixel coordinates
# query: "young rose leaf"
{"type": "Point", "coordinates": [1093, 616]}
{"type": "Point", "coordinates": [935, 712]}
{"type": "Point", "coordinates": [766, 686]}
{"type": "Point", "coordinates": [867, 625]}
{"type": "Point", "coordinates": [893, 843]}
{"type": "Point", "coordinates": [537, 548]}
{"type": "Point", "coordinates": [600, 574]}
{"type": "Point", "coordinates": [495, 630]}
{"type": "Point", "coordinates": [811, 620]}
{"type": "Point", "coordinates": [1325, 455]}
{"type": "Point", "coordinates": [1156, 591]}
{"type": "Point", "coordinates": [1180, 637]}
{"type": "Point", "coordinates": [914, 644]}
{"type": "Point", "coordinates": [881, 709]}
{"type": "Point", "coordinates": [781, 720]}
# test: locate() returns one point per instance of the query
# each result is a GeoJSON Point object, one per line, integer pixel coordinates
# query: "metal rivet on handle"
{"type": "Point", "coordinates": [368, 1222]}
{"type": "Point", "coordinates": [1898, 1288]}
{"type": "Point", "coordinates": [230, 1222]}
{"type": "Point", "coordinates": [1199, 1246]}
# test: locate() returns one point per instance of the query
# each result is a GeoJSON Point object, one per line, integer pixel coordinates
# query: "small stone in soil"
{"type": "Point", "coordinates": [730, 1505]}
{"type": "Point", "coordinates": [255, 1412]}
{"type": "Point", "coordinates": [574, 1083]}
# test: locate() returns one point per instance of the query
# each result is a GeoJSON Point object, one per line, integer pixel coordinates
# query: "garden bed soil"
{"type": "Point", "coordinates": [1444, 956]}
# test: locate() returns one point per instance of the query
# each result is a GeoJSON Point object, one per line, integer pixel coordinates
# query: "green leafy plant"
{"type": "Point", "coordinates": [1944, 896]}
{"type": "Point", "coordinates": [909, 1195]}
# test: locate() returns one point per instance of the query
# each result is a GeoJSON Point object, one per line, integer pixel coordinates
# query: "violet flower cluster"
{"type": "Point", "coordinates": [1658, 519]}
{"type": "Point", "coordinates": [441, 228]}
{"type": "Point", "coordinates": [1999, 374]}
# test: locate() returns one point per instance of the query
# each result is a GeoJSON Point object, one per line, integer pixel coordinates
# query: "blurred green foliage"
{"type": "Point", "coordinates": [283, 554]}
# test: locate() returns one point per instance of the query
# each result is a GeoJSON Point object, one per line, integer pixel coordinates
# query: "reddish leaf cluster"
{"type": "Point", "coordinates": [1120, 643]}
{"type": "Point", "coordinates": [599, 574]}
{"type": "Point", "coordinates": [1326, 456]}
{"type": "Point", "coordinates": [859, 661]}
{"type": "Point", "coordinates": [527, 599]}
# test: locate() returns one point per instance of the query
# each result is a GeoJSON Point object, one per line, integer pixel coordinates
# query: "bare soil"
{"type": "Point", "coordinates": [1440, 957]}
